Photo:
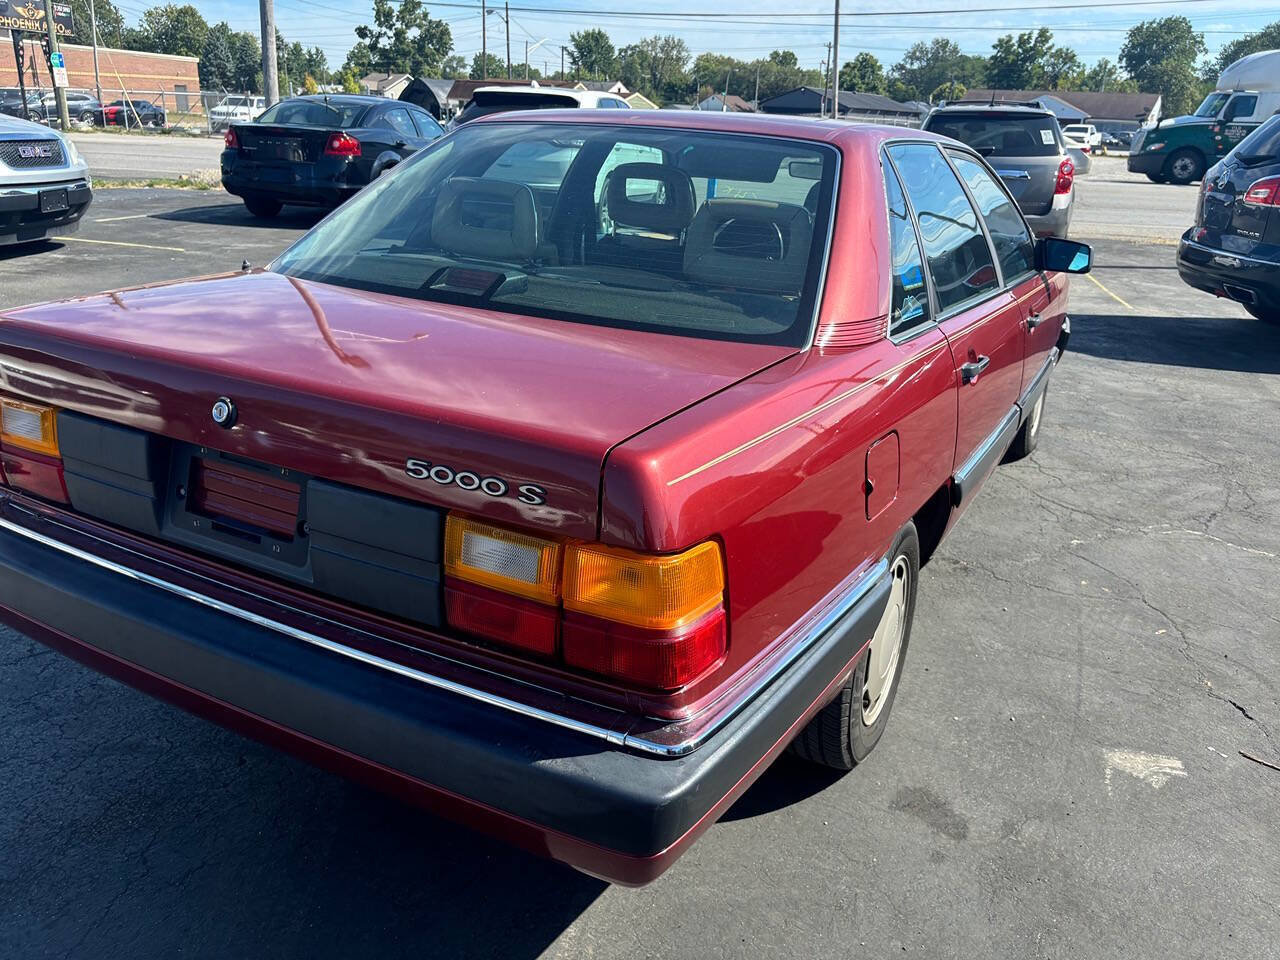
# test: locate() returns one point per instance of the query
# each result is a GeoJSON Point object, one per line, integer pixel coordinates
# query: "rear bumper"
{"type": "Point", "coordinates": [21, 220]}
{"type": "Point", "coordinates": [561, 792]}
{"type": "Point", "coordinates": [320, 184]}
{"type": "Point", "coordinates": [1056, 222]}
{"type": "Point", "coordinates": [1220, 272]}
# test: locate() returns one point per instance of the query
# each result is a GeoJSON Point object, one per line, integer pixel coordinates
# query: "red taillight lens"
{"type": "Point", "coordinates": [1066, 177]}
{"type": "Point", "coordinates": [230, 139]}
{"type": "Point", "coordinates": [342, 145]}
{"type": "Point", "coordinates": [504, 619]}
{"type": "Point", "coordinates": [1264, 193]}
{"type": "Point", "coordinates": [653, 659]}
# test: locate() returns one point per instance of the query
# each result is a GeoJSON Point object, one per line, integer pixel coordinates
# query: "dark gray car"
{"type": "Point", "coordinates": [1024, 145]}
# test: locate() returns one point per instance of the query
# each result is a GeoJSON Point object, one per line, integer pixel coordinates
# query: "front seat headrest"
{"type": "Point", "coordinates": [489, 219]}
{"type": "Point", "coordinates": [755, 245]}
{"type": "Point", "coordinates": [668, 210]}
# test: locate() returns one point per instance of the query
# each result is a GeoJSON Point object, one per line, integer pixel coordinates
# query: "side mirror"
{"type": "Point", "coordinates": [1063, 256]}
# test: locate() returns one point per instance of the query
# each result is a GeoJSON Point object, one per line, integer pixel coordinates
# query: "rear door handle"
{"type": "Point", "coordinates": [969, 372]}
{"type": "Point", "coordinates": [1034, 321]}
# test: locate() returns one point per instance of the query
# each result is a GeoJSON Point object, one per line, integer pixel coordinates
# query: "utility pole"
{"type": "Point", "coordinates": [756, 102]}
{"type": "Point", "coordinates": [93, 26]}
{"type": "Point", "coordinates": [506, 19]}
{"type": "Point", "coordinates": [59, 94]}
{"type": "Point", "coordinates": [562, 76]}
{"type": "Point", "coordinates": [270, 81]}
{"type": "Point", "coordinates": [822, 107]}
{"type": "Point", "coordinates": [835, 63]}
{"type": "Point", "coordinates": [526, 59]}
{"type": "Point", "coordinates": [484, 41]}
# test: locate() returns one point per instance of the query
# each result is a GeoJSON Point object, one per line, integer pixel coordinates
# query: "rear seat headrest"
{"type": "Point", "coordinates": [671, 214]}
{"type": "Point", "coordinates": [754, 245]}
{"type": "Point", "coordinates": [492, 219]}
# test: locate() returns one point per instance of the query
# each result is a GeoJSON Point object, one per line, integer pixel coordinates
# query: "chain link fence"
{"type": "Point", "coordinates": [136, 110]}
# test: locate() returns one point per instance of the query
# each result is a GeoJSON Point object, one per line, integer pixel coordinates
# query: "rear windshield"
{"type": "Point", "coordinates": [314, 113]}
{"type": "Point", "coordinates": [1000, 134]}
{"type": "Point", "coordinates": [701, 234]}
{"type": "Point", "coordinates": [1261, 145]}
{"type": "Point", "coordinates": [483, 104]}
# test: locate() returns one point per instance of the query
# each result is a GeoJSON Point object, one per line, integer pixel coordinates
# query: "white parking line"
{"type": "Point", "coordinates": [132, 216]}
{"type": "Point", "coordinates": [121, 243]}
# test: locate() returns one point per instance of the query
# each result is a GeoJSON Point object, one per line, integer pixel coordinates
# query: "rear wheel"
{"type": "Point", "coordinates": [1267, 313]}
{"type": "Point", "coordinates": [1185, 166]}
{"type": "Point", "coordinates": [846, 730]}
{"type": "Point", "coordinates": [1025, 442]}
{"type": "Point", "coordinates": [263, 206]}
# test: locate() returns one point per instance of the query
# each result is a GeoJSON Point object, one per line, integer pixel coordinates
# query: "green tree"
{"type": "Point", "coordinates": [350, 82]}
{"type": "Point", "coordinates": [591, 53]}
{"type": "Point", "coordinates": [309, 84]}
{"type": "Point", "coordinates": [172, 29]}
{"type": "Point", "coordinates": [454, 67]}
{"type": "Point", "coordinates": [487, 68]}
{"type": "Point", "coordinates": [927, 65]}
{"type": "Point", "coordinates": [110, 22]}
{"type": "Point", "coordinates": [1161, 55]}
{"type": "Point", "coordinates": [863, 74]}
{"type": "Point", "coordinates": [404, 39]}
{"type": "Point", "coordinates": [656, 66]}
{"type": "Point", "coordinates": [1105, 75]}
{"type": "Point", "coordinates": [948, 91]}
{"type": "Point", "coordinates": [359, 61]}
{"type": "Point", "coordinates": [1061, 69]}
{"type": "Point", "coordinates": [315, 63]}
{"type": "Point", "coordinates": [1268, 38]}
{"type": "Point", "coordinates": [1016, 63]}
{"type": "Point", "coordinates": [217, 62]}
{"type": "Point", "coordinates": [246, 57]}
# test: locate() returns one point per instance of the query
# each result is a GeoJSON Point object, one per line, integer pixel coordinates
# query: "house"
{"type": "Point", "coordinates": [639, 101]}
{"type": "Point", "coordinates": [616, 87]}
{"type": "Point", "coordinates": [720, 103]}
{"type": "Point", "coordinates": [1105, 110]}
{"type": "Point", "coordinates": [385, 84]}
{"type": "Point", "coordinates": [871, 107]}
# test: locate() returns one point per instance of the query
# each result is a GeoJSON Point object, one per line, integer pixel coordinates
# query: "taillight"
{"type": "Point", "coordinates": [1066, 176]}
{"type": "Point", "coordinates": [654, 621]}
{"type": "Point", "coordinates": [342, 145]}
{"type": "Point", "coordinates": [29, 449]}
{"type": "Point", "coordinates": [1264, 193]}
{"type": "Point", "coordinates": [230, 139]}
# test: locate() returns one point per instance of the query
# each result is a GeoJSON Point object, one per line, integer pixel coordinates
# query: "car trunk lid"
{"type": "Point", "coordinates": [282, 144]}
{"type": "Point", "coordinates": [350, 386]}
{"type": "Point", "coordinates": [1237, 206]}
{"type": "Point", "coordinates": [1030, 180]}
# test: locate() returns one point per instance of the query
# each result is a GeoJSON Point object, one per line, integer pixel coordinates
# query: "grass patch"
{"type": "Point", "coordinates": [203, 180]}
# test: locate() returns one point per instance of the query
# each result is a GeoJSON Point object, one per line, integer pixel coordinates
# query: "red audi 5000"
{"type": "Point", "coordinates": [559, 480]}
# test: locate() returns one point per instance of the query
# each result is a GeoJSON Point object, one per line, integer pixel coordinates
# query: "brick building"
{"type": "Point", "coordinates": [171, 81]}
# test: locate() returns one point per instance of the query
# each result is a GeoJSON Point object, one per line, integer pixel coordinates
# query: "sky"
{"type": "Point", "coordinates": [752, 32]}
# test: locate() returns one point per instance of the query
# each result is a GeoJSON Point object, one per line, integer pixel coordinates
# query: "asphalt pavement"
{"type": "Point", "coordinates": [1093, 648]}
{"type": "Point", "coordinates": [162, 156]}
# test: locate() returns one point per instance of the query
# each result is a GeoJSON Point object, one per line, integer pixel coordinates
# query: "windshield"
{"type": "Point", "coordinates": [701, 234]}
{"type": "Point", "coordinates": [1262, 144]}
{"type": "Point", "coordinates": [1000, 134]}
{"type": "Point", "coordinates": [234, 102]}
{"type": "Point", "coordinates": [483, 104]}
{"type": "Point", "coordinates": [314, 113]}
{"type": "Point", "coordinates": [1212, 104]}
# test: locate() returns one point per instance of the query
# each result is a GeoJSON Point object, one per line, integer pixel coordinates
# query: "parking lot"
{"type": "Point", "coordinates": [1093, 648]}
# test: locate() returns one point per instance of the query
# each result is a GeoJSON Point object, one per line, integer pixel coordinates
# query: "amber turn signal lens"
{"type": "Point", "coordinates": [658, 592]}
{"type": "Point", "coordinates": [29, 427]}
{"type": "Point", "coordinates": [514, 563]}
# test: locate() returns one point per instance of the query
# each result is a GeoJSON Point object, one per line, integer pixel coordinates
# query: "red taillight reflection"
{"type": "Point", "coordinates": [1066, 177]}
{"type": "Point", "coordinates": [1264, 193]}
{"type": "Point", "coordinates": [652, 659]}
{"type": "Point", "coordinates": [342, 145]}
{"type": "Point", "coordinates": [230, 139]}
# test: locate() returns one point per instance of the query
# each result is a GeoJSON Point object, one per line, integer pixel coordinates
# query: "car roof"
{"type": "Point", "coordinates": [979, 106]}
{"type": "Point", "coordinates": [758, 124]}
{"type": "Point", "coordinates": [586, 97]}
{"type": "Point", "coordinates": [353, 99]}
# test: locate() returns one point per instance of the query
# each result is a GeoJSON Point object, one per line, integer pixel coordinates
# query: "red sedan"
{"type": "Point", "coordinates": [559, 480]}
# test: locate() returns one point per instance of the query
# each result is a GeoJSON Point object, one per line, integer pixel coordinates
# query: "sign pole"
{"type": "Point", "coordinates": [20, 60]}
{"type": "Point", "coordinates": [58, 69]}
{"type": "Point", "coordinates": [93, 24]}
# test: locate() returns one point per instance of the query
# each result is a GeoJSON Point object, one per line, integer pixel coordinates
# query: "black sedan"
{"type": "Point", "coordinates": [131, 113]}
{"type": "Point", "coordinates": [1233, 250]}
{"type": "Point", "coordinates": [319, 150]}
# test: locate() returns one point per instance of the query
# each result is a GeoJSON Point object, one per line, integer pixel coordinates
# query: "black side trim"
{"type": "Point", "coordinates": [113, 473]}
{"type": "Point", "coordinates": [1036, 386]}
{"type": "Point", "coordinates": [983, 460]}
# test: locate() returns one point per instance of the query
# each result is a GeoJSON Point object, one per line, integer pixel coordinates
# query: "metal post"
{"type": "Point", "coordinates": [270, 81]}
{"type": "Point", "coordinates": [526, 59]}
{"type": "Point", "coordinates": [93, 24]}
{"type": "Point", "coordinates": [506, 19]}
{"type": "Point", "coordinates": [835, 63]}
{"type": "Point", "coordinates": [19, 59]}
{"type": "Point", "coordinates": [562, 76]}
{"type": "Point", "coordinates": [484, 41]}
{"type": "Point", "coordinates": [59, 94]}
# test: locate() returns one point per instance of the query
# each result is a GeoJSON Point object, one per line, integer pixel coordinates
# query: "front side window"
{"type": "Point", "coordinates": [1009, 235]}
{"type": "Point", "coordinates": [1242, 106]}
{"type": "Point", "coordinates": [958, 254]}
{"type": "Point", "coordinates": [909, 309]}
{"type": "Point", "coordinates": [703, 234]}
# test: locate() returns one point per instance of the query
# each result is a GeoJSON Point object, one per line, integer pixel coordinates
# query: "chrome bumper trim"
{"type": "Point", "coordinates": [1235, 256]}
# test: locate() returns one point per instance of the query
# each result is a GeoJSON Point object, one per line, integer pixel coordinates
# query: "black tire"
{"type": "Point", "coordinates": [86, 117]}
{"type": "Point", "coordinates": [1029, 435]}
{"type": "Point", "coordinates": [1184, 166]}
{"type": "Point", "coordinates": [838, 736]}
{"type": "Point", "coordinates": [1267, 313]}
{"type": "Point", "coordinates": [1156, 177]}
{"type": "Point", "coordinates": [263, 207]}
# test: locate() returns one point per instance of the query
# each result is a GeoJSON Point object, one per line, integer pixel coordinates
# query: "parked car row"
{"type": "Point", "coordinates": [82, 107]}
{"type": "Point", "coordinates": [44, 182]}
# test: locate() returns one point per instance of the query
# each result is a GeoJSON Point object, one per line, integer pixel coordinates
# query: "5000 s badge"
{"type": "Point", "coordinates": [470, 480]}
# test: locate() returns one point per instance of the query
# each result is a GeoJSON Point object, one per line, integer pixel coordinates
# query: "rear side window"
{"type": "Point", "coordinates": [1008, 232]}
{"type": "Point", "coordinates": [1000, 134]}
{"type": "Point", "coordinates": [1262, 143]}
{"type": "Point", "coordinates": [910, 307]}
{"type": "Point", "coordinates": [427, 126]}
{"type": "Point", "coordinates": [398, 120]}
{"type": "Point", "coordinates": [957, 251]}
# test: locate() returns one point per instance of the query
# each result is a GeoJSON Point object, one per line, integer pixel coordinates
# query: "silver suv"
{"type": "Point", "coordinates": [1024, 145]}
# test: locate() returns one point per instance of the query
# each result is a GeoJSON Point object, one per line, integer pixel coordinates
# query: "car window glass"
{"type": "Point", "coordinates": [909, 309]}
{"type": "Point", "coordinates": [427, 126]}
{"type": "Point", "coordinates": [1000, 133]}
{"type": "Point", "coordinates": [540, 163]}
{"type": "Point", "coordinates": [623, 152]}
{"type": "Point", "coordinates": [314, 113]}
{"type": "Point", "coordinates": [1014, 247]}
{"type": "Point", "coordinates": [1263, 142]}
{"type": "Point", "coordinates": [398, 119]}
{"type": "Point", "coordinates": [1241, 107]}
{"type": "Point", "coordinates": [958, 254]}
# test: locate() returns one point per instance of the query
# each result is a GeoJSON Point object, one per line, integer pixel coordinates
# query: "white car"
{"type": "Point", "coordinates": [486, 100]}
{"type": "Point", "coordinates": [1083, 135]}
{"type": "Point", "coordinates": [44, 182]}
{"type": "Point", "coordinates": [235, 109]}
